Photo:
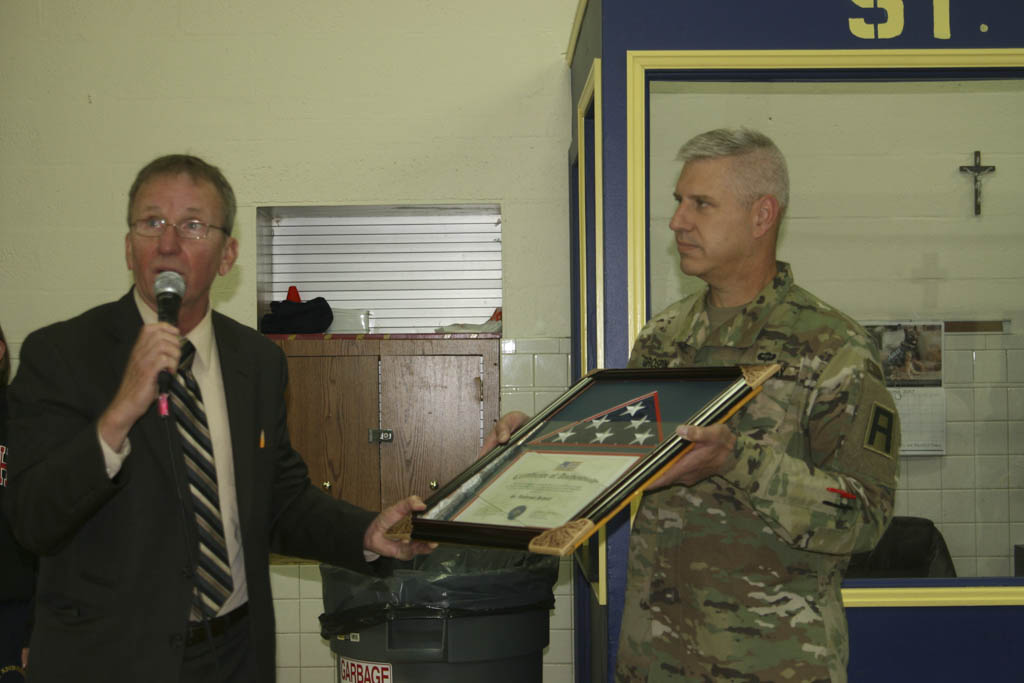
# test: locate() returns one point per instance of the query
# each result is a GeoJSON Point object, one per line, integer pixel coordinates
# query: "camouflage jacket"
{"type": "Point", "coordinates": [737, 578]}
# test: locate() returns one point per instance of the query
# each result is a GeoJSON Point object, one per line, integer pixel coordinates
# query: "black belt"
{"type": "Point", "coordinates": [198, 631]}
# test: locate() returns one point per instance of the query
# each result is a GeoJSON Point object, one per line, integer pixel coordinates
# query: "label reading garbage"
{"type": "Point", "coordinates": [355, 671]}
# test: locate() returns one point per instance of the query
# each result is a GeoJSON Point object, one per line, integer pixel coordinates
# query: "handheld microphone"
{"type": "Point", "coordinates": [168, 290]}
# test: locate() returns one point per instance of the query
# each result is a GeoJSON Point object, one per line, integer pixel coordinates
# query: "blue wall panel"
{"type": "Point", "coordinates": [879, 635]}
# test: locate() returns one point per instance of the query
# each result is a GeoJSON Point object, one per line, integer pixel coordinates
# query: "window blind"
{"type": "Point", "coordinates": [413, 268]}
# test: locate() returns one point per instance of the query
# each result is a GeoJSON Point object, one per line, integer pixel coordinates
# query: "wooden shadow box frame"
{"type": "Point", "coordinates": [565, 473]}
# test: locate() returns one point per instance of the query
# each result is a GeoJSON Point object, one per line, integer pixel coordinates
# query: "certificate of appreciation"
{"type": "Point", "coordinates": [544, 489]}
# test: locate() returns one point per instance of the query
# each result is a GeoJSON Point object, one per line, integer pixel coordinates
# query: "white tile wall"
{"type": "Point", "coordinates": [534, 372]}
{"type": "Point", "coordinates": [977, 499]}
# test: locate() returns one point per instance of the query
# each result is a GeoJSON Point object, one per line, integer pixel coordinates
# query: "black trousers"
{"type": "Point", "coordinates": [223, 659]}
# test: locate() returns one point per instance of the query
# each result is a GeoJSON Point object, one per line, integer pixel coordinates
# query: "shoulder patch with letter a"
{"type": "Point", "coordinates": [878, 437]}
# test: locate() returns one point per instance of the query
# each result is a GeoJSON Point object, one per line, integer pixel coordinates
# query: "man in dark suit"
{"type": "Point", "coordinates": [102, 487]}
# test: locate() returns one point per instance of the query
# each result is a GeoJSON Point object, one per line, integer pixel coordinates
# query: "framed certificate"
{"type": "Point", "coordinates": [566, 472]}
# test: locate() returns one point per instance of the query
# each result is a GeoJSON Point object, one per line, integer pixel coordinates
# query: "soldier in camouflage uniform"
{"type": "Point", "coordinates": [737, 553]}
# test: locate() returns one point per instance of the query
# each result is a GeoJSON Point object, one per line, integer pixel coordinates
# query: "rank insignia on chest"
{"type": "Point", "coordinates": [766, 356]}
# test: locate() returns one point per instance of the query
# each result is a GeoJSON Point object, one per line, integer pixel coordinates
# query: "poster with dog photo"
{"type": "Point", "coordinates": [911, 354]}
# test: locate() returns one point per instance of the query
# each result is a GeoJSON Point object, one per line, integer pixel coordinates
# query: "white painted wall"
{"type": "Point", "coordinates": [881, 221]}
{"type": "Point", "coordinates": [318, 102]}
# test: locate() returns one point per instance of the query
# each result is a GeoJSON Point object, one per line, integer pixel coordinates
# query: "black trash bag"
{"type": "Point", "coordinates": [297, 317]}
{"type": "Point", "coordinates": [452, 581]}
{"type": "Point", "coordinates": [910, 548]}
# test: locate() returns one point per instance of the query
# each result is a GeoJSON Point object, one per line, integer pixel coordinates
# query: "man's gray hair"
{"type": "Point", "coordinates": [196, 169]}
{"type": "Point", "coordinates": [763, 168]}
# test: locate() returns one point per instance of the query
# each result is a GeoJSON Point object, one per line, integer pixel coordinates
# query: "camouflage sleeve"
{"type": "Point", "coordinates": [838, 499]}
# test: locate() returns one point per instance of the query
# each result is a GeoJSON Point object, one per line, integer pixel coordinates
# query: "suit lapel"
{"type": "Point", "coordinates": [239, 390]}
{"type": "Point", "coordinates": [150, 429]}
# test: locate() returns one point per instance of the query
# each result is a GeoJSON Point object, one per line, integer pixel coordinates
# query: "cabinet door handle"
{"type": "Point", "coordinates": [326, 485]}
{"type": "Point", "coordinates": [433, 485]}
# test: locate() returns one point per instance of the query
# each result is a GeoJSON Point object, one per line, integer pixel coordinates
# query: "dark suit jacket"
{"type": "Point", "coordinates": [117, 556]}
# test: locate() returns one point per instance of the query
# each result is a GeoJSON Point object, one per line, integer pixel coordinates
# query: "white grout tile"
{"type": "Point", "coordinates": [310, 584]}
{"type": "Point", "coordinates": [1015, 365]}
{"type": "Point", "coordinates": [990, 403]}
{"type": "Point", "coordinates": [517, 370]}
{"type": "Point", "coordinates": [959, 404]}
{"type": "Point", "coordinates": [309, 615]}
{"type": "Point", "coordinates": [900, 504]}
{"type": "Point", "coordinates": [559, 649]}
{"type": "Point", "coordinates": [1016, 497]}
{"type": "Point", "coordinates": [1015, 403]}
{"type": "Point", "coordinates": [557, 673]}
{"type": "Point", "coordinates": [959, 539]}
{"type": "Point", "coordinates": [990, 438]}
{"type": "Point", "coordinates": [286, 616]}
{"type": "Point", "coordinates": [924, 473]}
{"type": "Point", "coordinates": [289, 675]}
{"type": "Point", "coordinates": [563, 585]}
{"type": "Point", "coordinates": [958, 367]}
{"type": "Point", "coordinates": [958, 472]}
{"type": "Point", "coordinates": [288, 650]}
{"type": "Point", "coordinates": [284, 580]}
{"type": "Point", "coordinates": [958, 506]}
{"type": "Point", "coordinates": [314, 651]}
{"type": "Point", "coordinates": [960, 438]}
{"type": "Point", "coordinates": [994, 540]}
{"type": "Point", "coordinates": [963, 341]}
{"type": "Point", "coordinates": [550, 345]}
{"type": "Point", "coordinates": [322, 674]}
{"type": "Point", "coordinates": [966, 566]}
{"type": "Point", "coordinates": [993, 566]}
{"type": "Point", "coordinates": [1010, 341]}
{"type": "Point", "coordinates": [1015, 437]}
{"type": "Point", "coordinates": [550, 370]}
{"type": "Point", "coordinates": [561, 615]}
{"type": "Point", "coordinates": [517, 400]}
{"type": "Point", "coordinates": [990, 366]}
{"type": "Point", "coordinates": [993, 471]}
{"type": "Point", "coordinates": [992, 506]}
{"type": "Point", "coordinates": [1015, 472]}
{"type": "Point", "coordinates": [542, 399]}
{"type": "Point", "coordinates": [927, 504]}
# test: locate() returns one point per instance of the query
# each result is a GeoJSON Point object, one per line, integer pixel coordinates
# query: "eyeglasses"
{"type": "Point", "coordinates": [187, 230]}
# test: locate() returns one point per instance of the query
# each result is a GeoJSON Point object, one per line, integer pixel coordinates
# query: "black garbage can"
{"type": "Point", "coordinates": [458, 615]}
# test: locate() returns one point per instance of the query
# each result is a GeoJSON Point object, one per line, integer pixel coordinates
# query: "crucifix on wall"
{"type": "Point", "coordinates": [977, 170]}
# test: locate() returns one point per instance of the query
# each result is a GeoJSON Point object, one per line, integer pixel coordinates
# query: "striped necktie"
{"type": "Point", "coordinates": [213, 575]}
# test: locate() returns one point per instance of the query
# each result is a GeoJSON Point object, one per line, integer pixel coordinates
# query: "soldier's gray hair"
{"type": "Point", "coordinates": [763, 168]}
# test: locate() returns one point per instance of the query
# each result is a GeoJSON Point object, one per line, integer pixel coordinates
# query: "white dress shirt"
{"type": "Point", "coordinates": [206, 369]}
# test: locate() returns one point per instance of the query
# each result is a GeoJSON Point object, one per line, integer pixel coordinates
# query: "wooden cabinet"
{"type": "Point", "coordinates": [438, 397]}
